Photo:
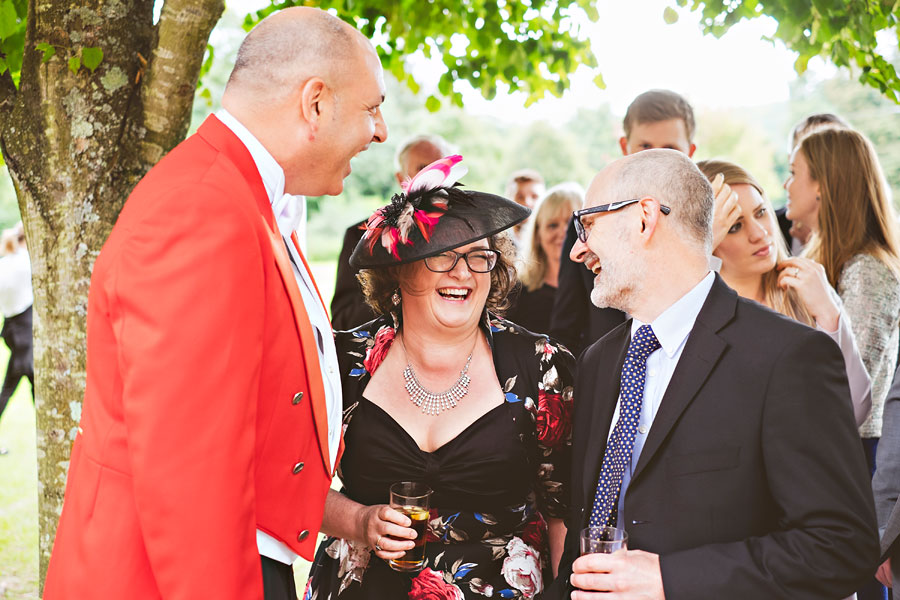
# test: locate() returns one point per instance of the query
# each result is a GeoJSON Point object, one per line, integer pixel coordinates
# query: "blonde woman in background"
{"type": "Point", "coordinates": [542, 246]}
{"type": "Point", "coordinates": [755, 263]}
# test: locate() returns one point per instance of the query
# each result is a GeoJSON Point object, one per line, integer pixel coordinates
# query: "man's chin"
{"type": "Point", "coordinates": [605, 299]}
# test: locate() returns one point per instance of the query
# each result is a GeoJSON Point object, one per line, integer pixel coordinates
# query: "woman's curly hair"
{"type": "Point", "coordinates": [379, 284]}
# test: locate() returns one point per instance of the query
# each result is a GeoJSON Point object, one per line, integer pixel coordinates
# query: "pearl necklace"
{"type": "Point", "coordinates": [430, 402]}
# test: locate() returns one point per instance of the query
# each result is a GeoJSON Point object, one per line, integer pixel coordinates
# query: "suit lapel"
{"type": "Point", "coordinates": [305, 330]}
{"type": "Point", "coordinates": [604, 394]}
{"type": "Point", "coordinates": [220, 137]}
{"type": "Point", "coordinates": [700, 355]}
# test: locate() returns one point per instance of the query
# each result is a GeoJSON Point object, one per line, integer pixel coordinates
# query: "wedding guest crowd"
{"type": "Point", "coordinates": [731, 398]}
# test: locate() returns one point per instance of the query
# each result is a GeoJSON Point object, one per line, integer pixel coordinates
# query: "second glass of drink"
{"type": "Point", "coordinates": [413, 500]}
{"type": "Point", "coordinates": [603, 540]}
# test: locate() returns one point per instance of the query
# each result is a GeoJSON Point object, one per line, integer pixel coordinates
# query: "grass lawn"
{"type": "Point", "coordinates": [18, 482]}
{"type": "Point", "coordinates": [18, 496]}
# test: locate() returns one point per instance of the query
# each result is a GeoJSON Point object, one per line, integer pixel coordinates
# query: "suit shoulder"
{"type": "Point", "coordinates": [612, 337]}
{"type": "Point", "coordinates": [772, 332]}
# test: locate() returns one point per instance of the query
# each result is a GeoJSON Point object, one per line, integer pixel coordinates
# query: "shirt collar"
{"type": "Point", "coordinates": [675, 323]}
{"type": "Point", "coordinates": [271, 172]}
{"type": "Point", "coordinates": [289, 210]}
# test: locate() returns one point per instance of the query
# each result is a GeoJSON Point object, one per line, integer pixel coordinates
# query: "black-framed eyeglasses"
{"type": "Point", "coordinates": [482, 260]}
{"type": "Point", "coordinates": [579, 226]}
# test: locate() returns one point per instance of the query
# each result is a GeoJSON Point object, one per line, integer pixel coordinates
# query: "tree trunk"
{"type": "Point", "coordinates": [76, 143]}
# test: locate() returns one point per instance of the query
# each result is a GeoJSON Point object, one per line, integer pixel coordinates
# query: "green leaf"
{"type": "Point", "coordinates": [801, 63]}
{"type": "Point", "coordinates": [48, 49]}
{"type": "Point", "coordinates": [598, 81]}
{"type": "Point", "coordinates": [91, 57]}
{"type": "Point", "coordinates": [74, 63]}
{"type": "Point", "coordinates": [670, 16]}
{"type": "Point", "coordinates": [433, 104]}
{"type": "Point", "coordinates": [208, 61]}
{"type": "Point", "coordinates": [3, 66]}
{"type": "Point", "coordinates": [8, 18]}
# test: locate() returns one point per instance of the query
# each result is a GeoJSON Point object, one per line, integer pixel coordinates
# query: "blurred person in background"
{"type": "Point", "coordinates": [524, 187]}
{"type": "Point", "coordinates": [16, 299]}
{"type": "Point", "coordinates": [543, 243]}
{"type": "Point", "coordinates": [796, 234]}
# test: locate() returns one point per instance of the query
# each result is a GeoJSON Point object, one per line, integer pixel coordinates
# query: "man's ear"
{"type": "Point", "coordinates": [691, 150]}
{"type": "Point", "coordinates": [623, 144]}
{"type": "Point", "coordinates": [314, 101]}
{"type": "Point", "coordinates": [649, 216]}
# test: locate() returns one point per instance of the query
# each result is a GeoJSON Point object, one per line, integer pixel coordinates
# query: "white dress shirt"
{"type": "Point", "coordinates": [287, 212]}
{"type": "Point", "coordinates": [16, 294]}
{"type": "Point", "coordinates": [672, 329]}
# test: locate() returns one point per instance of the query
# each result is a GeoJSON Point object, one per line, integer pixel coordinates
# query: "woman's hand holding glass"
{"type": "Point", "coordinates": [387, 531]}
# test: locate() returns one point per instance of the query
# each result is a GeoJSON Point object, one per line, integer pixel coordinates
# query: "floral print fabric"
{"type": "Point", "coordinates": [495, 485]}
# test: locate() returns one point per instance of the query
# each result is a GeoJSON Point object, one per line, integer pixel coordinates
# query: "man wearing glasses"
{"type": "Point", "coordinates": [716, 433]}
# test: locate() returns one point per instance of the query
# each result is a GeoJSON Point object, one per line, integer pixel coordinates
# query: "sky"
{"type": "Point", "coordinates": [637, 50]}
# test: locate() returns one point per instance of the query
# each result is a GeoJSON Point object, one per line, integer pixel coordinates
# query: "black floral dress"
{"type": "Point", "coordinates": [495, 484]}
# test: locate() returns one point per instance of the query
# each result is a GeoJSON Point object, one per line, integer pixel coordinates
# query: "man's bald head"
{"type": "Point", "coordinates": [292, 45]}
{"type": "Point", "coordinates": [675, 181]}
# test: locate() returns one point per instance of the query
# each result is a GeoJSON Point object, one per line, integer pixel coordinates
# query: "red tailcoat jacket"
{"type": "Point", "coordinates": [204, 416]}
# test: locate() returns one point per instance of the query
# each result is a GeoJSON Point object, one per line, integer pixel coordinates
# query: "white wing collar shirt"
{"type": "Point", "coordinates": [289, 212]}
{"type": "Point", "coordinates": [672, 329]}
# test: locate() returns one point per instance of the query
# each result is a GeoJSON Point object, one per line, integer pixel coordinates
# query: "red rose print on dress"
{"type": "Point", "coordinates": [429, 585]}
{"type": "Point", "coordinates": [554, 419]}
{"type": "Point", "coordinates": [375, 355]}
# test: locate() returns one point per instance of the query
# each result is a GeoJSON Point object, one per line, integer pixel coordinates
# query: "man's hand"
{"type": "Point", "coordinates": [726, 209]}
{"type": "Point", "coordinates": [883, 574]}
{"type": "Point", "coordinates": [624, 575]}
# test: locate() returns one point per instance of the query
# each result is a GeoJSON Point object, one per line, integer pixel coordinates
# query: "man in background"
{"type": "Point", "coordinates": [348, 305]}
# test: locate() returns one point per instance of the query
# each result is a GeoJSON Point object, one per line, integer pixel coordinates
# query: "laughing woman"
{"type": "Point", "coordinates": [441, 391]}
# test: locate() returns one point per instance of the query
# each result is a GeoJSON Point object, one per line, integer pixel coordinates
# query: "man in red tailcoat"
{"type": "Point", "coordinates": [211, 420]}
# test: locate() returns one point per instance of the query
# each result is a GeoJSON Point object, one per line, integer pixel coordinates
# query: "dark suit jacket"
{"type": "Point", "coordinates": [752, 482]}
{"type": "Point", "coordinates": [785, 226]}
{"type": "Point", "coordinates": [886, 482]}
{"type": "Point", "coordinates": [348, 305]}
{"type": "Point", "coordinates": [575, 321]}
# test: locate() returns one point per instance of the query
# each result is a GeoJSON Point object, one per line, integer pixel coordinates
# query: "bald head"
{"type": "Point", "coordinates": [292, 45]}
{"type": "Point", "coordinates": [675, 181]}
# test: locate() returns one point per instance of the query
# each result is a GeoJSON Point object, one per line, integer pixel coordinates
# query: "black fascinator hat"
{"type": "Point", "coordinates": [432, 215]}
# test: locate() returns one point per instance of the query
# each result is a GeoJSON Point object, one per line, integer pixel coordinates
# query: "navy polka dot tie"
{"type": "Point", "coordinates": [621, 442]}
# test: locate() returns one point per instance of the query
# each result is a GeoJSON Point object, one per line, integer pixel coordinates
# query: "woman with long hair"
{"type": "Point", "coordinates": [837, 189]}
{"type": "Point", "coordinates": [755, 262]}
{"type": "Point", "coordinates": [539, 273]}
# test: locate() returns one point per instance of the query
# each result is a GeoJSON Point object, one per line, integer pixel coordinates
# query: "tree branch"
{"type": "Point", "coordinates": [171, 76]}
{"type": "Point", "coordinates": [7, 96]}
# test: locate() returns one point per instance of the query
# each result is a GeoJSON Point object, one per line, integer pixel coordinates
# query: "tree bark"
{"type": "Point", "coordinates": [76, 144]}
